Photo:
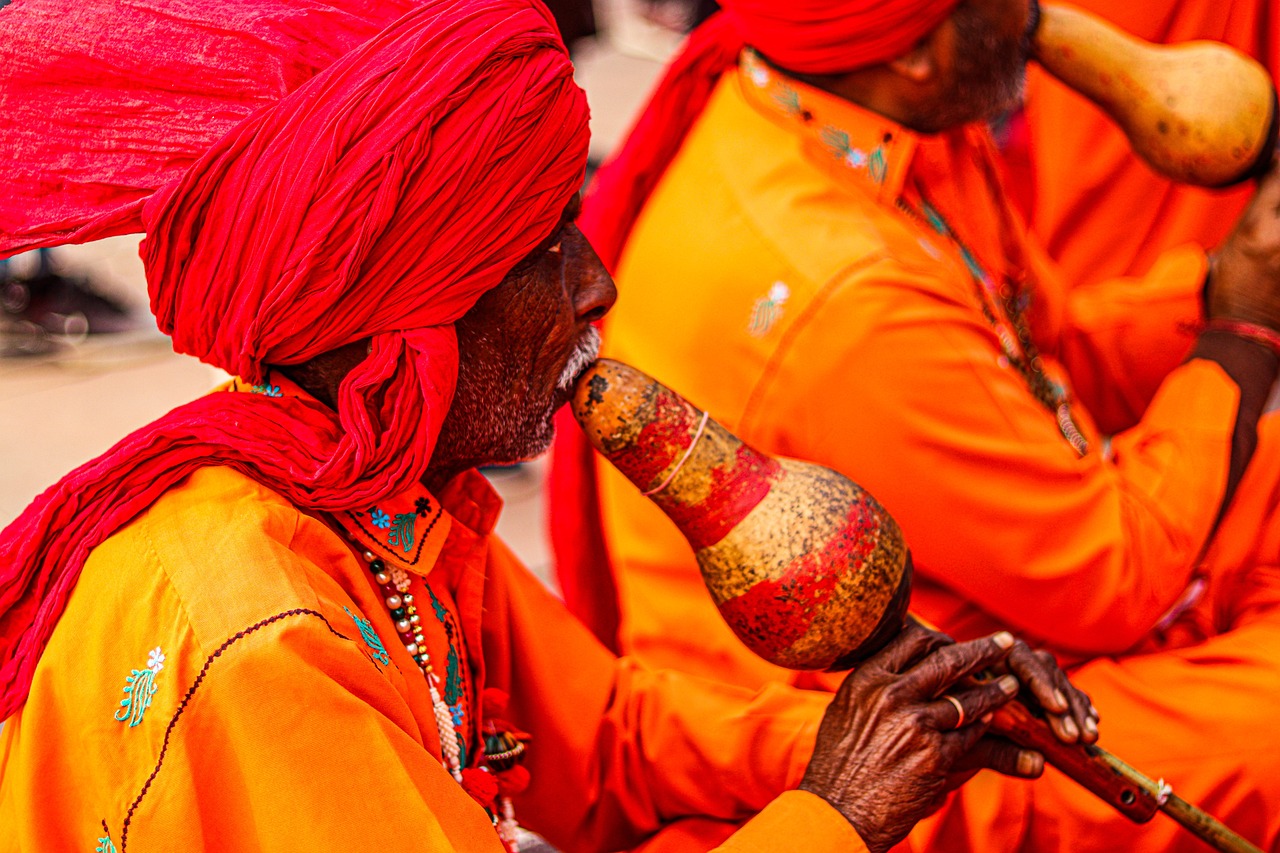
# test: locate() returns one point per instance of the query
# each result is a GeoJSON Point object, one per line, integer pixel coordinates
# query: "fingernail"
{"type": "Point", "coordinates": [1069, 726]}
{"type": "Point", "coordinates": [1094, 712]}
{"type": "Point", "coordinates": [1004, 639]}
{"type": "Point", "coordinates": [987, 718]}
{"type": "Point", "coordinates": [1090, 726]}
{"type": "Point", "coordinates": [1060, 698]}
{"type": "Point", "coordinates": [1028, 762]}
{"type": "Point", "coordinates": [1008, 684]}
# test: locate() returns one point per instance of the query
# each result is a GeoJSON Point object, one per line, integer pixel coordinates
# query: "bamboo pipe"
{"type": "Point", "coordinates": [807, 568]}
{"type": "Point", "coordinates": [1199, 112]}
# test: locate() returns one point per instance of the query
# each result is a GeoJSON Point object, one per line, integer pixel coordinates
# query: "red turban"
{"type": "Point", "coordinates": [307, 176]}
{"type": "Point", "coordinates": [805, 36]}
{"type": "Point", "coordinates": [834, 36]}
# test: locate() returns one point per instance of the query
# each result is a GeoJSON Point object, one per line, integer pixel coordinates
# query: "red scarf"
{"type": "Point", "coordinates": [307, 176]}
{"type": "Point", "coordinates": [805, 36]}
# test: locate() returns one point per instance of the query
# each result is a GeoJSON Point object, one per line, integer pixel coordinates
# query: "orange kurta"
{"type": "Point", "coordinates": [274, 722]}
{"type": "Point", "coordinates": [778, 277]}
{"type": "Point", "coordinates": [1098, 210]}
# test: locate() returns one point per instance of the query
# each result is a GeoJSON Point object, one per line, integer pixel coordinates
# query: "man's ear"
{"type": "Point", "coordinates": [917, 65]}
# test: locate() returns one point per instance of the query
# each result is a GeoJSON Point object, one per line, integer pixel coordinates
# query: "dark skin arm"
{"type": "Point", "coordinates": [889, 750]}
{"type": "Point", "coordinates": [1244, 286]}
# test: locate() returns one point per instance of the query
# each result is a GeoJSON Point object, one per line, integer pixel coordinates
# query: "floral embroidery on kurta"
{"type": "Point", "coordinates": [139, 689]}
{"type": "Point", "coordinates": [454, 688]}
{"type": "Point", "coordinates": [876, 166]}
{"type": "Point", "coordinates": [402, 531]}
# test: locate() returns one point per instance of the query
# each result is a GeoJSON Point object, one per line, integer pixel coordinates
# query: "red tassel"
{"type": "Point", "coordinates": [495, 702]}
{"type": "Point", "coordinates": [513, 781]}
{"type": "Point", "coordinates": [480, 784]}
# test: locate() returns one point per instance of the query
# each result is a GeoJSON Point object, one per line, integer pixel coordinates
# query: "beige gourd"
{"type": "Point", "coordinates": [806, 568]}
{"type": "Point", "coordinates": [1199, 112]}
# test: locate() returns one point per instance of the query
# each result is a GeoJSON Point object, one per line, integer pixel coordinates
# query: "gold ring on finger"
{"type": "Point", "coordinates": [959, 708]}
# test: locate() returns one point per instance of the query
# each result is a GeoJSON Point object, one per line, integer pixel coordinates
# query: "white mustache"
{"type": "Point", "coordinates": [587, 351]}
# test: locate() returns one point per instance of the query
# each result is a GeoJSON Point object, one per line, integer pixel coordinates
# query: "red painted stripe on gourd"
{"type": "Point", "coordinates": [771, 616]}
{"type": "Point", "coordinates": [659, 443]}
{"type": "Point", "coordinates": [736, 488]}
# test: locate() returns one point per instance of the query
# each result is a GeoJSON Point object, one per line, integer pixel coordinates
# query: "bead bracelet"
{"type": "Point", "coordinates": [1269, 338]}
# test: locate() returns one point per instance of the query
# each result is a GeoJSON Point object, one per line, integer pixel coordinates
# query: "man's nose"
{"type": "Point", "coordinates": [593, 290]}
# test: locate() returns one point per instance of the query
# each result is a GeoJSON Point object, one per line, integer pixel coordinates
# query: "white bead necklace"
{"type": "Point", "coordinates": [394, 585]}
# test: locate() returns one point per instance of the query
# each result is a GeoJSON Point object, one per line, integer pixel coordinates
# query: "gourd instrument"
{"type": "Point", "coordinates": [806, 567]}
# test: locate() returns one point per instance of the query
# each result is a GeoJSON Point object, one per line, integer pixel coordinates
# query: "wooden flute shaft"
{"type": "Point", "coordinates": [1130, 792]}
{"type": "Point", "coordinates": [1111, 781]}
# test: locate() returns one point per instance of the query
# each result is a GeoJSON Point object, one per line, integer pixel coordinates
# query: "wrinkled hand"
{"type": "Point", "coordinates": [1244, 282]}
{"type": "Point", "coordinates": [1068, 709]}
{"type": "Point", "coordinates": [889, 747]}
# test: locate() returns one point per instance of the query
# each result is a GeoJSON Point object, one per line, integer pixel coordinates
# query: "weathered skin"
{"type": "Point", "coordinates": [1200, 113]}
{"type": "Point", "coordinates": [803, 564]}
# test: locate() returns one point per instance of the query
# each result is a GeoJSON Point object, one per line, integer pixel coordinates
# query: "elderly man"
{"type": "Point", "coordinates": [275, 619]}
{"type": "Point", "coordinates": [810, 238]}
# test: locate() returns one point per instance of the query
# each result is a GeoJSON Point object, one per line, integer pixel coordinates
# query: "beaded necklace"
{"type": "Point", "coordinates": [488, 780]}
{"type": "Point", "coordinates": [1005, 309]}
{"type": "Point", "coordinates": [394, 584]}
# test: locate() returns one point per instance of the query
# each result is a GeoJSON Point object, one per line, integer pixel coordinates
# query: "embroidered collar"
{"type": "Point", "coordinates": [407, 530]}
{"type": "Point", "coordinates": [855, 145]}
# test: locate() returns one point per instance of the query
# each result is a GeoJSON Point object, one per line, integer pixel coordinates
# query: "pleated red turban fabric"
{"type": "Point", "coordinates": [805, 36]}
{"type": "Point", "coordinates": [834, 36]}
{"type": "Point", "coordinates": [307, 175]}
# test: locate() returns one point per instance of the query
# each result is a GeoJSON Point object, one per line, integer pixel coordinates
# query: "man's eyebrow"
{"type": "Point", "coordinates": [567, 217]}
{"type": "Point", "coordinates": [545, 246]}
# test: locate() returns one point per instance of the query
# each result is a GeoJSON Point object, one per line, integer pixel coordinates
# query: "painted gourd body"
{"type": "Point", "coordinates": [806, 567]}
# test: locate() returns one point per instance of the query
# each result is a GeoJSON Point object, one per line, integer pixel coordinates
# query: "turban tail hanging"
{"type": "Point", "coordinates": [307, 176]}
{"type": "Point", "coordinates": [804, 36]}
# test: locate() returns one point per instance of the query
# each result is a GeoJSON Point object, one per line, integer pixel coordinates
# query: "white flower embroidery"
{"type": "Point", "coordinates": [139, 689]}
{"type": "Point", "coordinates": [856, 158]}
{"type": "Point", "coordinates": [759, 76]}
